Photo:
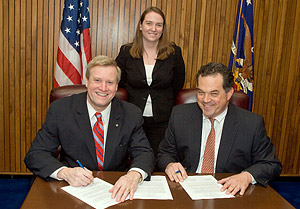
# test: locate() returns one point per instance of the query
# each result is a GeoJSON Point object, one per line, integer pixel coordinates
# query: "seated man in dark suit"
{"type": "Point", "coordinates": [96, 128]}
{"type": "Point", "coordinates": [214, 136]}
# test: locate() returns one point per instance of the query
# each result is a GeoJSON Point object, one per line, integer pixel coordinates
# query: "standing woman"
{"type": "Point", "coordinates": [153, 72]}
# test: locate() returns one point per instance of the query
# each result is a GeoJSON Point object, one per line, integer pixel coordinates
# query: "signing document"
{"type": "Point", "coordinates": [203, 187]}
{"type": "Point", "coordinates": [97, 194]}
{"type": "Point", "coordinates": [157, 188]}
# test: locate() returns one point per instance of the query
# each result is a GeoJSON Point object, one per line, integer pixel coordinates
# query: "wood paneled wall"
{"type": "Point", "coordinates": [29, 32]}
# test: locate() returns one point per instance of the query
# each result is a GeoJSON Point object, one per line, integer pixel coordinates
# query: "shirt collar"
{"type": "Point", "coordinates": [105, 113]}
{"type": "Point", "coordinates": [220, 117]}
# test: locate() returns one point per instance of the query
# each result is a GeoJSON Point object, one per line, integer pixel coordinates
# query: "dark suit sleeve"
{"type": "Point", "coordinates": [121, 61]}
{"type": "Point", "coordinates": [179, 72]}
{"type": "Point", "coordinates": [40, 157]}
{"type": "Point", "coordinates": [265, 166]}
{"type": "Point", "coordinates": [140, 151]}
{"type": "Point", "coordinates": [167, 152]}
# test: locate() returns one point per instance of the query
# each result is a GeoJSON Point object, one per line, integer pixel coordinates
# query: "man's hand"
{"type": "Point", "coordinates": [236, 183]}
{"type": "Point", "coordinates": [126, 184]}
{"type": "Point", "coordinates": [76, 176]}
{"type": "Point", "coordinates": [176, 172]}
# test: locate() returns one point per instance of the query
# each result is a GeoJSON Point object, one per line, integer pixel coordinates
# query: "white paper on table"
{"type": "Point", "coordinates": [203, 187]}
{"type": "Point", "coordinates": [95, 194]}
{"type": "Point", "coordinates": [157, 188]}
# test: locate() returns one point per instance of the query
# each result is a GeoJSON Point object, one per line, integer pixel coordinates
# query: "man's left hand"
{"type": "Point", "coordinates": [236, 183]}
{"type": "Point", "coordinates": [126, 184]}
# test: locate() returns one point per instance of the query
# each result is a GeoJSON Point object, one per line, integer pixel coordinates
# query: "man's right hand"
{"type": "Point", "coordinates": [176, 172]}
{"type": "Point", "coordinates": [76, 176]}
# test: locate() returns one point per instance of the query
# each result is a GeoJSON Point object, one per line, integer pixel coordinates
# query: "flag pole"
{"type": "Point", "coordinates": [237, 37]}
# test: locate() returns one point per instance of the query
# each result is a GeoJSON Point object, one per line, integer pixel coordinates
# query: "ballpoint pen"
{"type": "Point", "coordinates": [79, 163]}
{"type": "Point", "coordinates": [178, 171]}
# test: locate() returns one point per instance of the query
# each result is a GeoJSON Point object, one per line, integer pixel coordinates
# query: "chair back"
{"type": "Point", "coordinates": [64, 91]}
{"type": "Point", "coordinates": [238, 98]}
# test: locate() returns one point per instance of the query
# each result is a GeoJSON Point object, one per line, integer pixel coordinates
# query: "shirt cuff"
{"type": "Point", "coordinates": [253, 181]}
{"type": "Point", "coordinates": [54, 174]}
{"type": "Point", "coordinates": [143, 173]}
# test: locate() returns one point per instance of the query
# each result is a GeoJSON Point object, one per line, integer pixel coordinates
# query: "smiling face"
{"type": "Point", "coordinates": [101, 86]}
{"type": "Point", "coordinates": [211, 96]}
{"type": "Point", "coordinates": [152, 27]}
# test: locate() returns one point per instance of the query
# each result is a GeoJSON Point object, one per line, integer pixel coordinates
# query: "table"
{"type": "Point", "coordinates": [50, 195]}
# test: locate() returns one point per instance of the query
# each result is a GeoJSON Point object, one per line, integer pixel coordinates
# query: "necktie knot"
{"type": "Point", "coordinates": [212, 120]}
{"type": "Point", "coordinates": [99, 117]}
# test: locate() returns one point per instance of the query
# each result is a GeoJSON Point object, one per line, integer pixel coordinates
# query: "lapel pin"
{"type": "Point", "coordinates": [117, 125]}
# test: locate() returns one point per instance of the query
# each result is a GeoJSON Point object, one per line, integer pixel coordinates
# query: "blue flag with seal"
{"type": "Point", "coordinates": [242, 51]}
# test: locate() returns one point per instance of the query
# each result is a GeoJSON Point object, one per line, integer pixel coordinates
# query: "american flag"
{"type": "Point", "coordinates": [74, 48]}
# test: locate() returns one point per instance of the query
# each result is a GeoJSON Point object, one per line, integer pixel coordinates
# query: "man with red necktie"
{"type": "Point", "coordinates": [96, 128]}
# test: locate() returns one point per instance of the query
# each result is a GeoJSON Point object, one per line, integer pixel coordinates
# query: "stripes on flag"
{"type": "Point", "coordinates": [74, 48]}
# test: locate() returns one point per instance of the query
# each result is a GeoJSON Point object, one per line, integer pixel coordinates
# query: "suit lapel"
{"type": "Point", "coordinates": [112, 139]}
{"type": "Point", "coordinates": [195, 139]}
{"type": "Point", "coordinates": [83, 121]}
{"type": "Point", "coordinates": [140, 66]}
{"type": "Point", "coordinates": [229, 132]}
{"type": "Point", "coordinates": [157, 65]}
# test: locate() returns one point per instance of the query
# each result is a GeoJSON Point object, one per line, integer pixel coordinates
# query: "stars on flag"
{"type": "Point", "coordinates": [68, 30]}
{"type": "Point", "coordinates": [73, 29]}
{"type": "Point", "coordinates": [74, 48]}
{"type": "Point", "coordinates": [76, 43]}
{"type": "Point", "coordinates": [71, 7]}
{"type": "Point", "coordinates": [84, 19]}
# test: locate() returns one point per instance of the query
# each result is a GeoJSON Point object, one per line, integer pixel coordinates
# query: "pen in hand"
{"type": "Point", "coordinates": [178, 171]}
{"type": "Point", "coordinates": [79, 163]}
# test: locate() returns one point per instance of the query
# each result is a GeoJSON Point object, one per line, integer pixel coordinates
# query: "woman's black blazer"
{"type": "Point", "coordinates": [167, 79]}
